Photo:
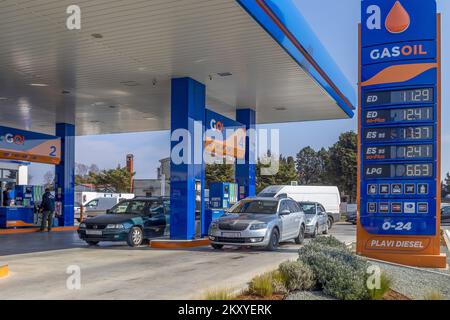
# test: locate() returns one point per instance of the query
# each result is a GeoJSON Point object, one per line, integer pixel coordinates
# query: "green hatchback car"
{"type": "Point", "coordinates": [132, 221]}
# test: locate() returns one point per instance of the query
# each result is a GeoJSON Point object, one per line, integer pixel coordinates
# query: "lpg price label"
{"type": "Point", "coordinates": [399, 151]}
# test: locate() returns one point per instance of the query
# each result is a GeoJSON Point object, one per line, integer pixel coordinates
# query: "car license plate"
{"type": "Point", "coordinates": [94, 232]}
{"type": "Point", "coordinates": [231, 234]}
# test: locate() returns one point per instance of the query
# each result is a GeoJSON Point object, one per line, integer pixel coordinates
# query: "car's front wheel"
{"type": "Point", "coordinates": [274, 240]}
{"type": "Point", "coordinates": [301, 235]}
{"type": "Point", "coordinates": [135, 237]}
{"type": "Point", "coordinates": [217, 246]}
{"type": "Point", "coordinates": [325, 231]}
{"type": "Point", "coordinates": [315, 232]}
{"type": "Point", "coordinates": [92, 243]}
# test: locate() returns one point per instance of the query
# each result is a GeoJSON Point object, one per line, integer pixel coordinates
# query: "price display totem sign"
{"type": "Point", "coordinates": [399, 132]}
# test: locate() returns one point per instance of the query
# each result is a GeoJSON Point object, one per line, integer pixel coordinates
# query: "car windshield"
{"type": "Point", "coordinates": [308, 208]}
{"type": "Point", "coordinates": [255, 206]}
{"type": "Point", "coordinates": [130, 207]}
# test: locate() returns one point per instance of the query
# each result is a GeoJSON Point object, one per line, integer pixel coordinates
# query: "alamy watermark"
{"type": "Point", "coordinates": [229, 146]}
{"type": "Point", "coordinates": [73, 281]}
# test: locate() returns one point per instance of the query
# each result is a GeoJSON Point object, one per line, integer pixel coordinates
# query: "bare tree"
{"type": "Point", "coordinates": [94, 168]}
{"type": "Point", "coordinates": [49, 179]}
{"type": "Point", "coordinates": [81, 169]}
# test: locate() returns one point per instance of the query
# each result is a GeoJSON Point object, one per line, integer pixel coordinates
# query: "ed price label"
{"type": "Point", "coordinates": [410, 96]}
{"type": "Point", "coordinates": [407, 115]}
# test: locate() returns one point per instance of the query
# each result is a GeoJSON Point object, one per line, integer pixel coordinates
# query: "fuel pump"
{"type": "Point", "coordinates": [222, 196]}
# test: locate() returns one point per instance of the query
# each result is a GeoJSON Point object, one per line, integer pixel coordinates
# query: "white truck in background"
{"type": "Point", "coordinates": [97, 202]}
{"type": "Point", "coordinates": [328, 196]}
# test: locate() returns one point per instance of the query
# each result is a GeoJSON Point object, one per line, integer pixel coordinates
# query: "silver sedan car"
{"type": "Point", "coordinates": [259, 222]}
{"type": "Point", "coordinates": [316, 218]}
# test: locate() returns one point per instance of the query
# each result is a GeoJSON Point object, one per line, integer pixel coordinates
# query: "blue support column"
{"type": "Point", "coordinates": [245, 172]}
{"type": "Point", "coordinates": [187, 113]}
{"type": "Point", "coordinates": [65, 173]}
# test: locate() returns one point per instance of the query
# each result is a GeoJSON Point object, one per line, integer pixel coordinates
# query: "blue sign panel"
{"type": "Point", "coordinates": [399, 117]}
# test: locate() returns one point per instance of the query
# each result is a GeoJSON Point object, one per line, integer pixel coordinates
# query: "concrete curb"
{"type": "Point", "coordinates": [410, 267]}
{"type": "Point", "coordinates": [447, 239]}
{"type": "Point", "coordinates": [4, 271]}
{"type": "Point", "coordinates": [178, 244]}
{"type": "Point", "coordinates": [33, 230]}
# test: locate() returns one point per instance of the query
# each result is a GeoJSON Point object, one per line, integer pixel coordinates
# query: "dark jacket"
{"type": "Point", "coordinates": [48, 202]}
{"type": "Point", "coordinates": [6, 198]}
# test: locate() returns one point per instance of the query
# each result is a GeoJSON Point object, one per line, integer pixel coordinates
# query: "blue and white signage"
{"type": "Point", "coordinates": [398, 125]}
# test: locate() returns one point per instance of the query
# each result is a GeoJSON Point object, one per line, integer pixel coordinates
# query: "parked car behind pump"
{"type": "Point", "coordinates": [328, 196]}
{"type": "Point", "coordinates": [99, 206]}
{"type": "Point", "coordinates": [445, 214]}
{"type": "Point", "coordinates": [259, 222]}
{"type": "Point", "coordinates": [132, 221]}
{"type": "Point", "coordinates": [77, 210]}
{"type": "Point", "coordinates": [315, 218]}
{"type": "Point", "coordinates": [351, 217]}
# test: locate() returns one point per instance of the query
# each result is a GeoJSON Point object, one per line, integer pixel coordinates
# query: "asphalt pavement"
{"type": "Point", "coordinates": [115, 271]}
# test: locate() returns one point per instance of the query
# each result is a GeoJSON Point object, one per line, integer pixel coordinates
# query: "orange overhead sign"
{"type": "Point", "coordinates": [29, 146]}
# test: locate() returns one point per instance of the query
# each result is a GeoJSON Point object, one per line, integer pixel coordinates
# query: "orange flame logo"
{"type": "Point", "coordinates": [398, 19]}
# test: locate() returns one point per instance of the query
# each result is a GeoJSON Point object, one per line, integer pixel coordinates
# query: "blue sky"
{"type": "Point", "coordinates": [335, 23]}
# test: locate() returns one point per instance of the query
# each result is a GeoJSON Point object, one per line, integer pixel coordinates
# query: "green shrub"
{"type": "Point", "coordinates": [341, 273]}
{"type": "Point", "coordinates": [278, 283]}
{"type": "Point", "coordinates": [329, 241]}
{"type": "Point", "coordinates": [219, 294]}
{"type": "Point", "coordinates": [297, 275]}
{"type": "Point", "coordinates": [385, 286]}
{"type": "Point", "coordinates": [434, 295]}
{"type": "Point", "coordinates": [261, 285]}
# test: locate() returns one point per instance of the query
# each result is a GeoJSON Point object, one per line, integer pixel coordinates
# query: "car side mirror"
{"type": "Point", "coordinates": [285, 212]}
{"type": "Point", "coordinates": [108, 211]}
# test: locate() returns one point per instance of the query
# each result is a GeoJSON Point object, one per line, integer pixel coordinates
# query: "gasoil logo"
{"type": "Point", "coordinates": [216, 125]}
{"type": "Point", "coordinates": [397, 20]}
{"type": "Point", "coordinates": [13, 139]}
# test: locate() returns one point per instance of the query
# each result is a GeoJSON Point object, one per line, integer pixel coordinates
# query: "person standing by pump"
{"type": "Point", "coordinates": [7, 197]}
{"type": "Point", "coordinates": [48, 210]}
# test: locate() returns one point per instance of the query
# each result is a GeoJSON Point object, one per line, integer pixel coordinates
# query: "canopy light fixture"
{"type": "Point", "coordinates": [224, 74]}
{"type": "Point", "coordinates": [97, 35]}
{"type": "Point", "coordinates": [38, 84]}
{"type": "Point", "coordinates": [130, 83]}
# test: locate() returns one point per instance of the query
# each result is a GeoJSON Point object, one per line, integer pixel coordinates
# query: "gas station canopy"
{"type": "Point", "coordinates": [113, 75]}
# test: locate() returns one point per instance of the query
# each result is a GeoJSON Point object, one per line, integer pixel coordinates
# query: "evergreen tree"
{"type": "Point", "coordinates": [219, 173]}
{"type": "Point", "coordinates": [342, 165]}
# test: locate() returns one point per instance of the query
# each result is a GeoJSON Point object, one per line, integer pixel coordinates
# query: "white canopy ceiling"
{"type": "Point", "coordinates": [114, 74]}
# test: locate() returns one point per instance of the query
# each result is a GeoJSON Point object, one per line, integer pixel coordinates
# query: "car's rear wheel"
{"type": "Point", "coordinates": [135, 237]}
{"type": "Point", "coordinates": [217, 246]}
{"type": "Point", "coordinates": [301, 235]}
{"type": "Point", "coordinates": [92, 243]}
{"type": "Point", "coordinates": [274, 240]}
{"type": "Point", "coordinates": [330, 222]}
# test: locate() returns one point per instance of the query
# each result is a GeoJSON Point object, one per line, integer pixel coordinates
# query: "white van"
{"type": "Point", "coordinates": [99, 206]}
{"type": "Point", "coordinates": [328, 196]}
